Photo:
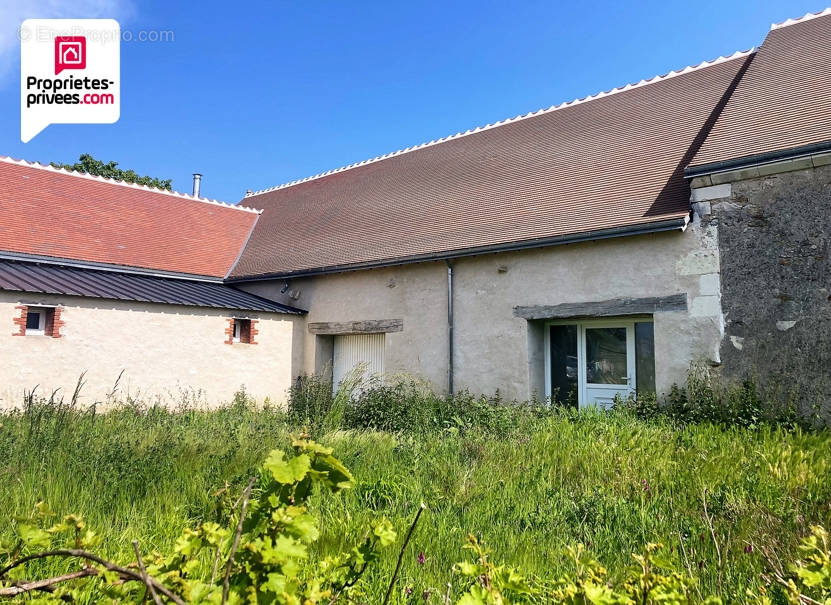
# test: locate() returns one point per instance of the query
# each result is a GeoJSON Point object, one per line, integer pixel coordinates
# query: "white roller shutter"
{"type": "Point", "coordinates": [352, 350]}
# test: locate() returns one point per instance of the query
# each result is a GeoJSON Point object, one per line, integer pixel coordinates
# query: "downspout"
{"type": "Point", "coordinates": [449, 326]}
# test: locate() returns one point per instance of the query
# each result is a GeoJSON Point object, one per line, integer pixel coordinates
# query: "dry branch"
{"type": "Point", "coordinates": [127, 574]}
{"type": "Point", "coordinates": [46, 584]}
{"type": "Point", "coordinates": [226, 581]}
{"type": "Point", "coordinates": [401, 553]}
{"type": "Point", "coordinates": [145, 578]}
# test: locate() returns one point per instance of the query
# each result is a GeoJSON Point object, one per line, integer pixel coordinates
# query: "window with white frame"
{"type": "Point", "coordinates": [36, 321]}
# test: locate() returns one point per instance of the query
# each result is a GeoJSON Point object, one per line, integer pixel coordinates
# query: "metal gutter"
{"type": "Point", "coordinates": [751, 161]}
{"type": "Point", "coordinates": [95, 266]}
{"type": "Point", "coordinates": [640, 229]}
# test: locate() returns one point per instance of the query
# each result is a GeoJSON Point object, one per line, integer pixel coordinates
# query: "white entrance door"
{"type": "Point", "coordinates": [608, 362]}
{"type": "Point", "coordinates": [357, 350]}
{"type": "Point", "coordinates": [589, 363]}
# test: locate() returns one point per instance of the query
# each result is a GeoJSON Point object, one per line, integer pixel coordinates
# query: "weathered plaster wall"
{"type": "Point", "coordinates": [493, 348]}
{"type": "Point", "coordinates": [774, 237]}
{"type": "Point", "coordinates": [164, 350]}
{"type": "Point", "coordinates": [415, 293]}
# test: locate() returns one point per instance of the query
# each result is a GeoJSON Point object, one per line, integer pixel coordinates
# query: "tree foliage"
{"type": "Point", "coordinates": [89, 165]}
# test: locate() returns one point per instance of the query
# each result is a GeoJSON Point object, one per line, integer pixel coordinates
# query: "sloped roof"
{"type": "Point", "coordinates": [782, 103]}
{"type": "Point", "coordinates": [610, 161]}
{"type": "Point", "coordinates": [56, 213]}
{"type": "Point", "coordinates": [72, 281]}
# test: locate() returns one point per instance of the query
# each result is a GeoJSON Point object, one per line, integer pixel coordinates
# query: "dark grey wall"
{"type": "Point", "coordinates": [774, 235]}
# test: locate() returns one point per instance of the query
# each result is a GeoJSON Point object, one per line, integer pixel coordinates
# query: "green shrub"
{"type": "Point", "coordinates": [310, 399]}
{"type": "Point", "coordinates": [400, 406]}
{"type": "Point", "coordinates": [405, 405]}
{"type": "Point", "coordinates": [463, 411]}
{"type": "Point", "coordinates": [705, 398]}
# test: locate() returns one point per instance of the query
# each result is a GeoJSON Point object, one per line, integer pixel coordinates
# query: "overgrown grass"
{"type": "Point", "coordinates": [526, 480]}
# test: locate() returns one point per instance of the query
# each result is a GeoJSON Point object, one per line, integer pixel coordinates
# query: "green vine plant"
{"type": "Point", "coordinates": [651, 580]}
{"type": "Point", "coordinates": [260, 556]}
{"type": "Point", "coordinates": [806, 581]}
{"type": "Point", "coordinates": [646, 583]}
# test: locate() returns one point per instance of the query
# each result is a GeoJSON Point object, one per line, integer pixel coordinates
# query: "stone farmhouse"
{"type": "Point", "coordinates": [595, 248]}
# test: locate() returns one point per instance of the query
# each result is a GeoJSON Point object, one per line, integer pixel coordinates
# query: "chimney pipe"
{"type": "Point", "coordinates": [197, 179]}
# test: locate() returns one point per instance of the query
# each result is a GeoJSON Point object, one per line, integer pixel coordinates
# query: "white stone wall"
{"type": "Point", "coordinates": [165, 351]}
{"type": "Point", "coordinates": [493, 348]}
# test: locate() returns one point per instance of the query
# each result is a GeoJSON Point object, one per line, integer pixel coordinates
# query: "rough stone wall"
{"type": "Point", "coordinates": [774, 235]}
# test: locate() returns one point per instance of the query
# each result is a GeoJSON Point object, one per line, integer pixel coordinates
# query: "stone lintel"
{"type": "Point", "coordinates": [605, 308]}
{"type": "Point", "coordinates": [370, 326]}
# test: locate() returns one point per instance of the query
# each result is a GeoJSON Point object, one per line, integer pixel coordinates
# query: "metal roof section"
{"type": "Point", "coordinates": [72, 281]}
{"type": "Point", "coordinates": [96, 266]}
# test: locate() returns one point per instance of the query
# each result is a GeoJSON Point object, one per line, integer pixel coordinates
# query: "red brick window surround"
{"type": "Point", "coordinates": [33, 320]}
{"type": "Point", "coordinates": [241, 330]}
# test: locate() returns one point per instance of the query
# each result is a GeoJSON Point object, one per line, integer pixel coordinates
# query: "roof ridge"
{"type": "Point", "coordinates": [803, 18]}
{"type": "Point", "coordinates": [630, 86]}
{"type": "Point", "coordinates": [39, 166]}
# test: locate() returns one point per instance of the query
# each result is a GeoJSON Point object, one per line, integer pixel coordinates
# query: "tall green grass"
{"type": "Point", "coordinates": [527, 481]}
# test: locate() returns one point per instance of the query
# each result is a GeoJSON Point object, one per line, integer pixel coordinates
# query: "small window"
{"type": "Point", "coordinates": [242, 331]}
{"type": "Point", "coordinates": [36, 321]}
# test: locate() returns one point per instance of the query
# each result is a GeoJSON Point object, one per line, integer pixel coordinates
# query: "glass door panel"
{"type": "Point", "coordinates": [563, 364]}
{"type": "Point", "coordinates": [606, 356]}
{"type": "Point", "coordinates": [645, 357]}
{"type": "Point", "coordinates": [607, 363]}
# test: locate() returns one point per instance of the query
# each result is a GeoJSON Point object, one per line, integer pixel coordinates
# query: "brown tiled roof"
{"type": "Point", "coordinates": [783, 101]}
{"type": "Point", "coordinates": [55, 213]}
{"type": "Point", "coordinates": [604, 163]}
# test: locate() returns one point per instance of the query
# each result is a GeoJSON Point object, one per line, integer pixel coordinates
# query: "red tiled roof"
{"type": "Point", "coordinates": [783, 100]}
{"type": "Point", "coordinates": [610, 161]}
{"type": "Point", "coordinates": [50, 212]}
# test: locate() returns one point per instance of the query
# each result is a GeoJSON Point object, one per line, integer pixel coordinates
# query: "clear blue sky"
{"type": "Point", "coordinates": [254, 94]}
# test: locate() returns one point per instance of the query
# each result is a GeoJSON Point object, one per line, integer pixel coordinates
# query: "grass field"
{"type": "Point", "coordinates": [610, 481]}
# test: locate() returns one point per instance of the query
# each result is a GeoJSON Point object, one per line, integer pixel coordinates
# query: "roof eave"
{"type": "Point", "coordinates": [54, 283]}
{"type": "Point", "coordinates": [673, 224]}
{"type": "Point", "coordinates": [751, 161]}
{"type": "Point", "coordinates": [284, 310]}
{"type": "Point", "coordinates": [98, 266]}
